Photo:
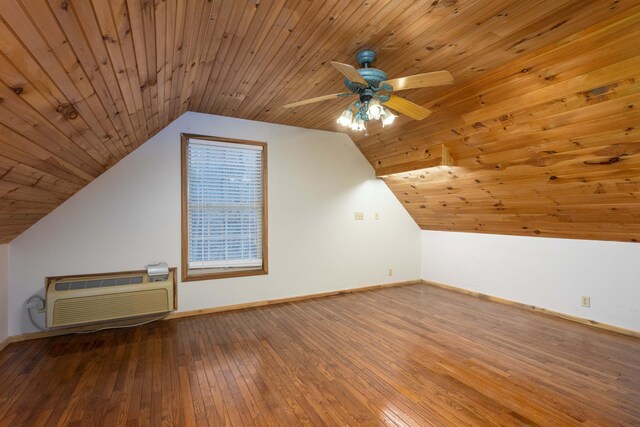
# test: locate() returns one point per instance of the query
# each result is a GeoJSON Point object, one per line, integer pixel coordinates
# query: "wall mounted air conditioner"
{"type": "Point", "coordinates": [80, 300]}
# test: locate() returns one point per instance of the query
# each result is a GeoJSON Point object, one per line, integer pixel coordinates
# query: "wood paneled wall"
{"type": "Point", "coordinates": [85, 82]}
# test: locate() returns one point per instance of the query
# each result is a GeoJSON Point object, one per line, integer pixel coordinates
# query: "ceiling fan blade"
{"type": "Point", "coordinates": [407, 108]}
{"type": "Point", "coordinates": [316, 99]}
{"type": "Point", "coordinates": [350, 73]}
{"type": "Point", "coordinates": [437, 78]}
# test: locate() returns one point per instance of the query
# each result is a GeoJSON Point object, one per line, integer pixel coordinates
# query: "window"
{"type": "Point", "coordinates": [224, 207]}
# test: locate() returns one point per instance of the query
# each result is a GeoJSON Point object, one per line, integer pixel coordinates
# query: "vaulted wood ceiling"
{"type": "Point", "coordinates": [541, 120]}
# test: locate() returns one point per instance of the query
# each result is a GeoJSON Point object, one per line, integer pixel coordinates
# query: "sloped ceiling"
{"type": "Point", "coordinates": [541, 121]}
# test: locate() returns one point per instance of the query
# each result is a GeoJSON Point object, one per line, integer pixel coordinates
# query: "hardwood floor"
{"type": "Point", "coordinates": [410, 355]}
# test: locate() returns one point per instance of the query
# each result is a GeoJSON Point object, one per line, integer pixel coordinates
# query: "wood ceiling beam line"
{"type": "Point", "coordinates": [602, 183]}
{"type": "Point", "coordinates": [435, 157]}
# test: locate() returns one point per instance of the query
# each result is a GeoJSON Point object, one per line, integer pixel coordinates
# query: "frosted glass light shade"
{"type": "Point", "coordinates": [375, 109]}
{"type": "Point", "coordinates": [345, 118]}
{"type": "Point", "coordinates": [387, 117]}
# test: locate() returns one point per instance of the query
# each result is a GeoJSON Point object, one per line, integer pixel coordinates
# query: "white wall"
{"type": "Point", "coordinates": [545, 272]}
{"type": "Point", "coordinates": [4, 292]}
{"type": "Point", "coordinates": [130, 217]}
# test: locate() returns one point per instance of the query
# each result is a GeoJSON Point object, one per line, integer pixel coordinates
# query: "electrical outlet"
{"type": "Point", "coordinates": [358, 216]}
{"type": "Point", "coordinates": [585, 301]}
{"type": "Point", "coordinates": [391, 272]}
{"type": "Point", "coordinates": [376, 216]}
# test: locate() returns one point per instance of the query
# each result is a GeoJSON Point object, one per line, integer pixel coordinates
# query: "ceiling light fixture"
{"type": "Point", "coordinates": [346, 117]}
{"type": "Point", "coordinates": [387, 117]}
{"type": "Point", "coordinates": [367, 108]}
{"type": "Point", "coordinates": [359, 123]}
{"type": "Point", "coordinates": [375, 90]}
{"type": "Point", "coordinates": [375, 109]}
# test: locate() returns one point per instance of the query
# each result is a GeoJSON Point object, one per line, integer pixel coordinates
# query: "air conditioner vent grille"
{"type": "Point", "coordinates": [79, 310]}
{"type": "Point", "coordinates": [99, 283]}
{"type": "Point", "coordinates": [93, 298]}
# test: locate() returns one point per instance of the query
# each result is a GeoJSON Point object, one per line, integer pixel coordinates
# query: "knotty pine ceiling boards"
{"type": "Point", "coordinates": [541, 120]}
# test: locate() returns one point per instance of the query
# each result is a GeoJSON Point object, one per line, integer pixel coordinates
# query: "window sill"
{"type": "Point", "coordinates": [192, 276]}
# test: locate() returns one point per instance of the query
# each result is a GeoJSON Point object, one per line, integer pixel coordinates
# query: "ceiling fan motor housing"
{"type": "Point", "coordinates": [373, 76]}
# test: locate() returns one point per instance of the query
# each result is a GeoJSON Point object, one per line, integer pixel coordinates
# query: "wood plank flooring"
{"type": "Point", "coordinates": [411, 355]}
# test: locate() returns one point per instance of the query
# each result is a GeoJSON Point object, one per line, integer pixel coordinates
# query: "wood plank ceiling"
{"type": "Point", "coordinates": [541, 121]}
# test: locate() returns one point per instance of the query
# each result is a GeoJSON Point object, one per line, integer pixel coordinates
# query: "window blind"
{"type": "Point", "coordinates": [224, 202]}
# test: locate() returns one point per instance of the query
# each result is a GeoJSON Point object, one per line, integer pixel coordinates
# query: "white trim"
{"type": "Point", "coordinates": [227, 263]}
{"type": "Point", "coordinates": [233, 145]}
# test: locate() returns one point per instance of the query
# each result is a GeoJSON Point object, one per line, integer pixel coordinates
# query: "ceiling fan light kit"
{"type": "Point", "coordinates": [346, 117]}
{"type": "Point", "coordinates": [374, 91]}
{"type": "Point", "coordinates": [387, 117]}
{"type": "Point", "coordinates": [375, 109]}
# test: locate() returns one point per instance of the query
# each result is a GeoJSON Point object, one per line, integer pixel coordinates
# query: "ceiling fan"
{"type": "Point", "coordinates": [374, 90]}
